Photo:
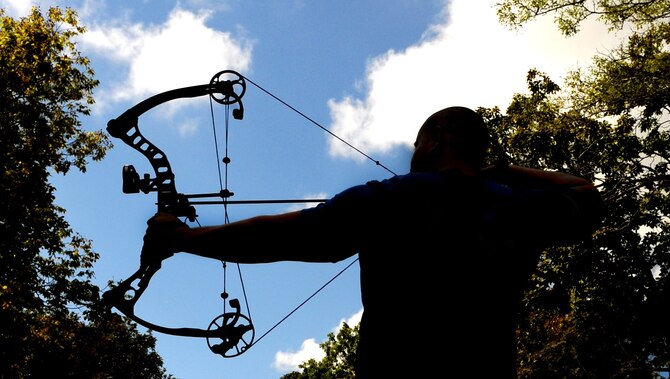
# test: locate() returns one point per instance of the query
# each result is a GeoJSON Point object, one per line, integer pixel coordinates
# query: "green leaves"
{"type": "Point", "coordinates": [51, 322]}
{"type": "Point", "coordinates": [569, 14]}
{"type": "Point", "coordinates": [596, 310]}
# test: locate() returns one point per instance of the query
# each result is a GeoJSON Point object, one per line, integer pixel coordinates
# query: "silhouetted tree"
{"type": "Point", "coordinates": [51, 323]}
{"type": "Point", "coordinates": [599, 310]}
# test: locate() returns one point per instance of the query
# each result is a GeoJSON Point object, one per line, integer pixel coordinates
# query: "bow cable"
{"type": "Point", "coordinates": [225, 194]}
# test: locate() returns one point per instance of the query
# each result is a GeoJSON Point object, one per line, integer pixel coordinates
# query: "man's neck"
{"type": "Point", "coordinates": [459, 165]}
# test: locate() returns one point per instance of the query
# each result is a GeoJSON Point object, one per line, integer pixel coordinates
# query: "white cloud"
{"type": "Point", "coordinates": [181, 52]}
{"type": "Point", "coordinates": [352, 321]}
{"type": "Point", "coordinates": [18, 8]}
{"type": "Point", "coordinates": [287, 361]}
{"type": "Point", "coordinates": [188, 127]}
{"type": "Point", "coordinates": [91, 8]}
{"type": "Point", "coordinates": [469, 59]}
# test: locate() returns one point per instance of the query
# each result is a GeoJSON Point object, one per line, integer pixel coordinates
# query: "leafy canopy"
{"type": "Point", "coordinates": [51, 322]}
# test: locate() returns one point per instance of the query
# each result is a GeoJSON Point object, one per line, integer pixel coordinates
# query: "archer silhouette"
{"type": "Point", "coordinates": [462, 241]}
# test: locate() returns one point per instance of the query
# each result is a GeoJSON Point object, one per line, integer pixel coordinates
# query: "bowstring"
{"type": "Point", "coordinates": [223, 186]}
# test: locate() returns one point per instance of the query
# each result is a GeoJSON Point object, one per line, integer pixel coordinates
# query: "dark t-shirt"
{"type": "Point", "coordinates": [444, 259]}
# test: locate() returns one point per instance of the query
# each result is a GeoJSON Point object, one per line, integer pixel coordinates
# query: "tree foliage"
{"type": "Point", "coordinates": [51, 324]}
{"type": "Point", "coordinates": [599, 309]}
{"type": "Point", "coordinates": [569, 14]}
{"type": "Point", "coordinates": [339, 360]}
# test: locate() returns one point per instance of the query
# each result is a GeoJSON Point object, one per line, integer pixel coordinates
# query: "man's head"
{"type": "Point", "coordinates": [451, 136]}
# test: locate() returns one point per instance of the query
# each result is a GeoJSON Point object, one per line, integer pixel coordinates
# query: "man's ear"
{"type": "Point", "coordinates": [436, 144]}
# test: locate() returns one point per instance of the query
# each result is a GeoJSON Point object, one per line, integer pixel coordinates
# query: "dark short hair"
{"type": "Point", "coordinates": [469, 129]}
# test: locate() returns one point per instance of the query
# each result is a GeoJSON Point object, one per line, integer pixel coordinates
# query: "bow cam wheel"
{"type": "Point", "coordinates": [234, 334]}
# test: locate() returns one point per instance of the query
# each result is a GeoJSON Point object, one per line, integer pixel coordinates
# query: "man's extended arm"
{"type": "Point", "coordinates": [260, 239]}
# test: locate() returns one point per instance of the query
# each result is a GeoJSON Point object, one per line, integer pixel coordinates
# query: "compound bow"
{"type": "Point", "coordinates": [234, 329]}
{"type": "Point", "coordinates": [230, 333]}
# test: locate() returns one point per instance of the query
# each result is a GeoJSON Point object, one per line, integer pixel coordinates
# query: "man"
{"type": "Point", "coordinates": [445, 251]}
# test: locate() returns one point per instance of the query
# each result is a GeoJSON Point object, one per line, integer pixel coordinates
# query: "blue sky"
{"type": "Point", "coordinates": [368, 71]}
